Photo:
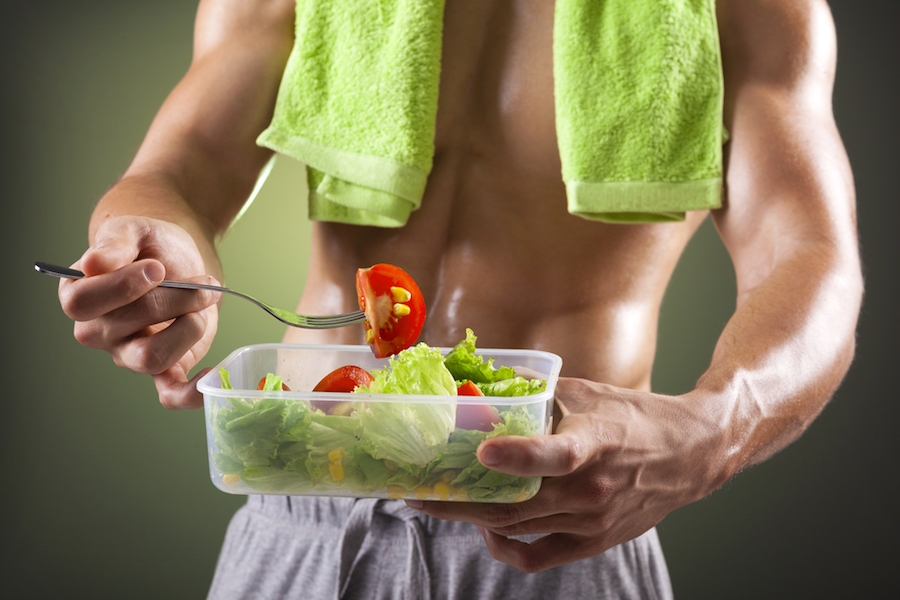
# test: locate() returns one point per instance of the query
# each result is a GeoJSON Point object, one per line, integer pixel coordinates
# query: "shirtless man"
{"type": "Point", "coordinates": [494, 249]}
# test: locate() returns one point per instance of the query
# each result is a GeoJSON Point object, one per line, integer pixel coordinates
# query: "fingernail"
{"type": "Point", "coordinates": [416, 504]}
{"type": "Point", "coordinates": [203, 314]}
{"type": "Point", "coordinates": [491, 456]}
{"type": "Point", "coordinates": [154, 272]}
{"type": "Point", "coordinates": [480, 530]}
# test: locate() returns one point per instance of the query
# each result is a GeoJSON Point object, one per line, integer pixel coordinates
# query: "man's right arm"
{"type": "Point", "coordinates": [193, 173]}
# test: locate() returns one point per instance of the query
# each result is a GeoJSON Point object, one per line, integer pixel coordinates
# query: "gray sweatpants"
{"type": "Point", "coordinates": [331, 548]}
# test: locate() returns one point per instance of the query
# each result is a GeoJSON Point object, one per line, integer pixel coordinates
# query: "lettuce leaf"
{"type": "Point", "coordinates": [465, 365]}
{"type": "Point", "coordinates": [417, 370]}
{"type": "Point", "coordinates": [409, 434]}
{"type": "Point", "coordinates": [516, 386]}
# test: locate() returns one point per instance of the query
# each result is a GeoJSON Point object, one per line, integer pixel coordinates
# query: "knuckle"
{"type": "Point", "coordinates": [504, 516]}
{"type": "Point", "coordinates": [528, 562]}
{"type": "Point", "coordinates": [168, 400]}
{"type": "Point", "coordinates": [207, 298]}
{"type": "Point", "coordinates": [572, 455]}
{"type": "Point", "coordinates": [510, 530]}
{"type": "Point", "coordinates": [71, 303]}
{"type": "Point", "coordinates": [147, 359]}
{"type": "Point", "coordinates": [194, 325]}
{"type": "Point", "coordinates": [596, 490]}
{"type": "Point", "coordinates": [132, 287]}
{"type": "Point", "coordinates": [87, 336]}
{"type": "Point", "coordinates": [155, 305]}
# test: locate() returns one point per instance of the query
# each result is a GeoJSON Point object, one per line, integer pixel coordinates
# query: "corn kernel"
{"type": "Point", "coordinates": [342, 410]}
{"type": "Point", "coordinates": [422, 492]}
{"type": "Point", "coordinates": [337, 454]}
{"type": "Point", "coordinates": [442, 490]}
{"type": "Point", "coordinates": [448, 476]}
{"type": "Point", "coordinates": [370, 336]}
{"type": "Point", "coordinates": [231, 478]}
{"type": "Point", "coordinates": [400, 294]}
{"type": "Point", "coordinates": [459, 495]}
{"type": "Point", "coordinates": [337, 471]}
{"type": "Point", "coordinates": [395, 492]}
{"type": "Point", "coordinates": [401, 310]}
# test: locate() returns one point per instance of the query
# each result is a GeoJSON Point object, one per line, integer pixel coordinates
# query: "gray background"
{"type": "Point", "coordinates": [106, 495]}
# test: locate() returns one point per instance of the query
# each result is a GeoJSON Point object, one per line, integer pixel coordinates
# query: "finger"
{"type": "Point", "coordinates": [156, 353]}
{"type": "Point", "coordinates": [549, 455]}
{"type": "Point", "coordinates": [157, 306]}
{"type": "Point", "coordinates": [545, 553]}
{"type": "Point", "coordinates": [176, 391]}
{"type": "Point", "coordinates": [91, 297]}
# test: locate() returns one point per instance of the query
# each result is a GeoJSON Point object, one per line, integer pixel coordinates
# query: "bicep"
{"type": "Point", "coordinates": [789, 190]}
{"type": "Point", "coordinates": [203, 139]}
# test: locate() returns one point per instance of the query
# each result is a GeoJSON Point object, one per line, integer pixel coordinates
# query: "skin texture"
{"type": "Point", "coordinates": [493, 238]}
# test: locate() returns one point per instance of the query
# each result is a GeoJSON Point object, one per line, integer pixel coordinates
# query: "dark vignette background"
{"type": "Point", "coordinates": [106, 495]}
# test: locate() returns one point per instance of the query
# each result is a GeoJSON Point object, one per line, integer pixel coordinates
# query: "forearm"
{"type": "Point", "coordinates": [781, 356]}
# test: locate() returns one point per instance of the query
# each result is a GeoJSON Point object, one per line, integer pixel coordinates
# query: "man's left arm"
{"type": "Point", "coordinates": [621, 460]}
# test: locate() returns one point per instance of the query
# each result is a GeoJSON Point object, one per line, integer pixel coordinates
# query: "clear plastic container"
{"type": "Point", "coordinates": [379, 445]}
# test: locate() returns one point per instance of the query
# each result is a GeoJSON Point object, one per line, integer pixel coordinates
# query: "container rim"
{"type": "Point", "coordinates": [209, 383]}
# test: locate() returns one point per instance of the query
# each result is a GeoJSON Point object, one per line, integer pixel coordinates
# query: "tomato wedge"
{"type": "Point", "coordinates": [469, 389]}
{"type": "Point", "coordinates": [480, 417]}
{"type": "Point", "coordinates": [394, 307]}
{"type": "Point", "coordinates": [344, 379]}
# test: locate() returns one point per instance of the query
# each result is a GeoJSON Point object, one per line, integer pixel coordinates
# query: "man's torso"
{"type": "Point", "coordinates": [493, 247]}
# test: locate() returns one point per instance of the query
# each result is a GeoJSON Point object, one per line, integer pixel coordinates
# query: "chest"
{"type": "Point", "coordinates": [496, 91]}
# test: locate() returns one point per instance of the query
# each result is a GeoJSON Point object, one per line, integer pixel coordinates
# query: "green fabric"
{"type": "Point", "coordinates": [638, 88]}
{"type": "Point", "coordinates": [358, 103]}
{"type": "Point", "coordinates": [639, 96]}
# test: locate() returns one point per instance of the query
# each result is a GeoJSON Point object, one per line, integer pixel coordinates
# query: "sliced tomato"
{"type": "Point", "coordinates": [344, 379]}
{"type": "Point", "coordinates": [262, 384]}
{"type": "Point", "coordinates": [469, 389]}
{"type": "Point", "coordinates": [480, 417]}
{"type": "Point", "coordinates": [394, 307]}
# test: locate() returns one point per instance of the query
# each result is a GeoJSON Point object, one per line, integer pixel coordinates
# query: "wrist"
{"type": "Point", "coordinates": [715, 440]}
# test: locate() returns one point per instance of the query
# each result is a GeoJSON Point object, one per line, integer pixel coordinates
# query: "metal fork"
{"type": "Point", "coordinates": [285, 316]}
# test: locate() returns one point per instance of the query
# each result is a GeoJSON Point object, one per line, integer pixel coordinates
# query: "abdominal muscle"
{"type": "Point", "coordinates": [493, 247]}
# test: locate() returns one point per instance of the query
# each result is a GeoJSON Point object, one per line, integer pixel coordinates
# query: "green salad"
{"type": "Point", "coordinates": [382, 449]}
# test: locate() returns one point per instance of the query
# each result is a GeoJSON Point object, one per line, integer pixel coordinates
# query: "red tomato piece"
{"type": "Point", "coordinates": [394, 307]}
{"type": "Point", "coordinates": [344, 379]}
{"type": "Point", "coordinates": [469, 389]}
{"type": "Point", "coordinates": [480, 417]}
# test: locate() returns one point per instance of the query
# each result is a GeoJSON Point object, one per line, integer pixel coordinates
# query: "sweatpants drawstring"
{"type": "Point", "coordinates": [358, 525]}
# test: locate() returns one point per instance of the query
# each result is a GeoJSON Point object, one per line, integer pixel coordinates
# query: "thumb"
{"type": "Point", "coordinates": [116, 244]}
{"type": "Point", "coordinates": [548, 455]}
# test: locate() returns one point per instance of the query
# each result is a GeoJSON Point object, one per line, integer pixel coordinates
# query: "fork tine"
{"type": "Point", "coordinates": [336, 320]}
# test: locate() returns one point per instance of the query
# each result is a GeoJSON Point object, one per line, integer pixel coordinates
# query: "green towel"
{"type": "Point", "coordinates": [638, 88]}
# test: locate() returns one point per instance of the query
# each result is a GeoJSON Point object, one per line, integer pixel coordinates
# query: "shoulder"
{"type": "Point", "coordinates": [786, 44]}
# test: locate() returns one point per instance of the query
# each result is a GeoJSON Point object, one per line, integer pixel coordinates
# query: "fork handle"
{"type": "Point", "coordinates": [67, 273]}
